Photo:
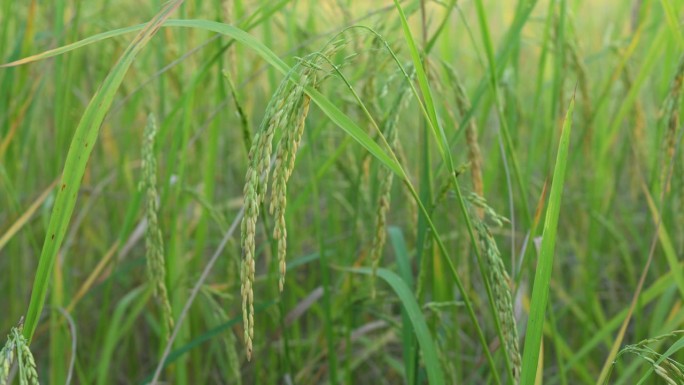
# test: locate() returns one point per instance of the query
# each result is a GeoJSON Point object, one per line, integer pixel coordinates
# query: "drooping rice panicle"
{"type": "Point", "coordinates": [254, 191]}
{"type": "Point", "coordinates": [500, 282]}
{"type": "Point", "coordinates": [286, 113]}
{"type": "Point", "coordinates": [154, 242]}
{"type": "Point", "coordinates": [284, 164]}
{"type": "Point", "coordinates": [671, 371]}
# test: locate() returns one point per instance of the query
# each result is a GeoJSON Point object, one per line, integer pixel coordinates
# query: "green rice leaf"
{"type": "Point", "coordinates": [408, 301]}
{"type": "Point", "coordinates": [79, 152]}
{"type": "Point", "coordinates": [542, 278]}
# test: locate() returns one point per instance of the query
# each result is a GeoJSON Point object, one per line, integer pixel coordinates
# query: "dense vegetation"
{"type": "Point", "coordinates": [342, 192]}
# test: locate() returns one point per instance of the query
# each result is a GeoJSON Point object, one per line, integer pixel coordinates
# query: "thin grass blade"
{"type": "Point", "coordinates": [542, 279]}
{"type": "Point", "coordinates": [408, 301]}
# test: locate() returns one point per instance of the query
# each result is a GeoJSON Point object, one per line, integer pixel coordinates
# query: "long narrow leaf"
{"type": "Point", "coordinates": [542, 278]}
{"type": "Point", "coordinates": [79, 152]}
{"type": "Point", "coordinates": [329, 108]}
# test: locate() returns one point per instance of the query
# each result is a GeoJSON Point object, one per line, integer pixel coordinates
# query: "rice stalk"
{"type": "Point", "coordinates": [442, 194]}
{"type": "Point", "coordinates": [425, 262]}
{"type": "Point", "coordinates": [386, 178]}
{"type": "Point", "coordinates": [240, 111]}
{"type": "Point", "coordinates": [154, 242]}
{"type": "Point", "coordinates": [411, 205]}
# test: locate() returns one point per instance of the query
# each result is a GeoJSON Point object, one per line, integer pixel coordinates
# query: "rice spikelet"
{"type": "Point", "coordinates": [286, 112]}
{"type": "Point", "coordinates": [6, 359]}
{"type": "Point", "coordinates": [671, 371]}
{"type": "Point", "coordinates": [286, 153]}
{"type": "Point", "coordinates": [154, 242]}
{"type": "Point", "coordinates": [284, 164]}
{"type": "Point", "coordinates": [17, 347]}
{"type": "Point", "coordinates": [500, 282]}
{"type": "Point", "coordinates": [28, 375]}
{"type": "Point", "coordinates": [255, 185]}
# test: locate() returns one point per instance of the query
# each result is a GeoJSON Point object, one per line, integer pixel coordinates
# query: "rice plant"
{"type": "Point", "coordinates": [341, 192]}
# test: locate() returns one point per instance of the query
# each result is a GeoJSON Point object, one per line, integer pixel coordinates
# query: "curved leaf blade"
{"type": "Point", "coordinates": [542, 278]}
{"type": "Point", "coordinates": [408, 301]}
{"type": "Point", "coordinates": [74, 168]}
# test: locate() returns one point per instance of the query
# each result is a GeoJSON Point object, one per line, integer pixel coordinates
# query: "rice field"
{"type": "Point", "coordinates": [341, 192]}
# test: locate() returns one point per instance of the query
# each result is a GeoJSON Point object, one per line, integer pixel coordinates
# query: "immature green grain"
{"type": "Point", "coordinates": [6, 358]}
{"type": "Point", "coordinates": [667, 369]}
{"type": "Point", "coordinates": [251, 204]}
{"type": "Point", "coordinates": [380, 234]}
{"type": "Point", "coordinates": [28, 374]}
{"type": "Point", "coordinates": [154, 242]}
{"type": "Point", "coordinates": [297, 107]}
{"type": "Point", "coordinates": [660, 371]}
{"type": "Point", "coordinates": [673, 367]}
{"type": "Point", "coordinates": [254, 191]}
{"type": "Point", "coordinates": [500, 282]}
{"type": "Point", "coordinates": [17, 347]}
{"type": "Point", "coordinates": [671, 371]}
{"type": "Point", "coordinates": [284, 164]}
{"type": "Point", "coordinates": [286, 112]}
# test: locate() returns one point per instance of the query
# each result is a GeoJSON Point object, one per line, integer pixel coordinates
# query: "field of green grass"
{"type": "Point", "coordinates": [341, 192]}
